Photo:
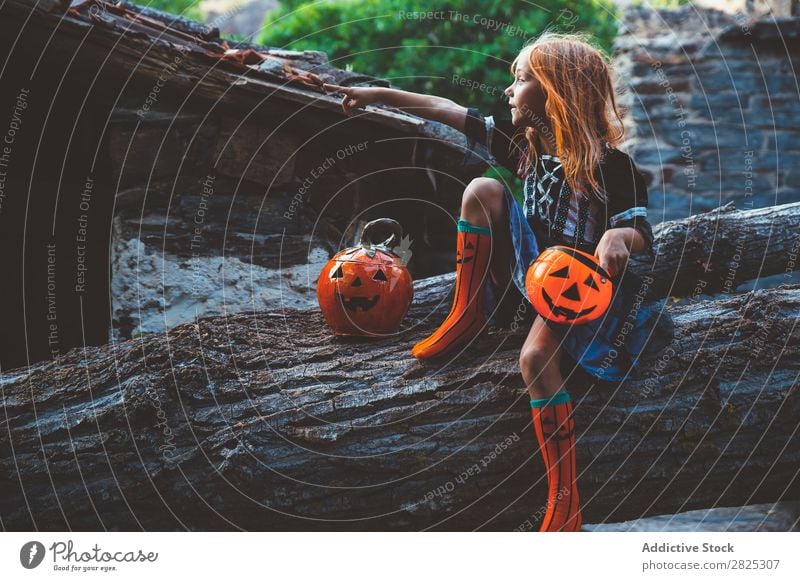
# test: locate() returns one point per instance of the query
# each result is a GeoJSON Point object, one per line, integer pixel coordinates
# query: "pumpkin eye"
{"type": "Point", "coordinates": [590, 282]}
{"type": "Point", "coordinates": [380, 275]}
{"type": "Point", "coordinates": [561, 272]}
{"type": "Point", "coordinates": [337, 273]}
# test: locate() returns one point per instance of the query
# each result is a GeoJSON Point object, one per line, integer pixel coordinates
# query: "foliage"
{"type": "Point", "coordinates": [462, 50]}
{"type": "Point", "coordinates": [237, 37]}
{"type": "Point", "coordinates": [185, 8]}
{"type": "Point", "coordinates": [660, 3]}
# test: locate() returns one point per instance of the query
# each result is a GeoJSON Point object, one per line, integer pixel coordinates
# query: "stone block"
{"type": "Point", "coordinates": [641, 113]}
{"type": "Point", "coordinates": [784, 102]}
{"type": "Point", "coordinates": [725, 80]}
{"type": "Point", "coordinates": [656, 156]}
{"type": "Point", "coordinates": [656, 86]}
{"type": "Point", "coordinates": [780, 140]}
{"type": "Point", "coordinates": [729, 180]}
{"type": "Point", "coordinates": [703, 102]}
{"type": "Point", "coordinates": [790, 178]}
{"type": "Point", "coordinates": [759, 161]}
{"type": "Point", "coordinates": [717, 136]}
{"type": "Point", "coordinates": [670, 204]}
{"type": "Point", "coordinates": [758, 118]}
{"type": "Point", "coordinates": [767, 119]}
{"type": "Point", "coordinates": [781, 83]}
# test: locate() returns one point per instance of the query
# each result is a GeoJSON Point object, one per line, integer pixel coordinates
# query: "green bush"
{"type": "Point", "coordinates": [185, 8]}
{"type": "Point", "coordinates": [431, 55]}
{"type": "Point", "coordinates": [660, 3]}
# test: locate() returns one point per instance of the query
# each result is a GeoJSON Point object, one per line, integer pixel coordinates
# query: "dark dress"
{"type": "Point", "coordinates": [552, 214]}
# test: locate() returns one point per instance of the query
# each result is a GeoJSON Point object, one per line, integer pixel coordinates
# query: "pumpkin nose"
{"type": "Point", "coordinates": [357, 282]}
{"type": "Point", "coordinates": [572, 293]}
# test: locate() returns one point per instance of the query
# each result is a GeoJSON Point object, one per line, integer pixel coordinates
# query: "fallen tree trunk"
{"type": "Point", "coordinates": [716, 251]}
{"type": "Point", "coordinates": [265, 422]}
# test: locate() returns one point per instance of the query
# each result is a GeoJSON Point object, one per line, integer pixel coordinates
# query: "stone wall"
{"type": "Point", "coordinates": [712, 107]}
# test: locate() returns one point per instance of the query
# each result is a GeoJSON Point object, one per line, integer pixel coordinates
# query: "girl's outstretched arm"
{"type": "Point", "coordinates": [428, 106]}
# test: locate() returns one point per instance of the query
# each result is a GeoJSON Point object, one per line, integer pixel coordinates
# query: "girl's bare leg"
{"type": "Point", "coordinates": [551, 409]}
{"type": "Point", "coordinates": [539, 361]}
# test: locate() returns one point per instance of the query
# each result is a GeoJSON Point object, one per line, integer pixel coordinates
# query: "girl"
{"type": "Point", "coordinates": [580, 191]}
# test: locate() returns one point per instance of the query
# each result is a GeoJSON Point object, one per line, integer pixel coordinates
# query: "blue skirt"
{"type": "Point", "coordinates": [610, 347]}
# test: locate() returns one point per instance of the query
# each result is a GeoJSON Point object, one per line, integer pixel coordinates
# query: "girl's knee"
{"type": "Point", "coordinates": [533, 359]}
{"type": "Point", "coordinates": [482, 202]}
{"type": "Point", "coordinates": [485, 192]}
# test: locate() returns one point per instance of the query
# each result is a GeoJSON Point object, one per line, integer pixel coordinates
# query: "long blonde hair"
{"type": "Point", "coordinates": [581, 105]}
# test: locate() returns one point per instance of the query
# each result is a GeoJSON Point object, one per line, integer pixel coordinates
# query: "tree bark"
{"type": "Point", "coordinates": [147, 48]}
{"type": "Point", "coordinates": [264, 421]}
{"type": "Point", "coordinates": [716, 251]}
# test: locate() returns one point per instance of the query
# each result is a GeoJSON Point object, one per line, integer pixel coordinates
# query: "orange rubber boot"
{"type": "Point", "coordinates": [555, 431]}
{"type": "Point", "coordinates": [466, 318]}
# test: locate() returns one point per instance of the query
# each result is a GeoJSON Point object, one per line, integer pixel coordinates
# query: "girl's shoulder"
{"type": "Point", "coordinates": [615, 157]}
{"type": "Point", "coordinates": [618, 164]}
{"type": "Point", "coordinates": [622, 181]}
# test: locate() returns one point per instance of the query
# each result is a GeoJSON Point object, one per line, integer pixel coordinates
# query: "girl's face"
{"type": "Point", "coordinates": [526, 97]}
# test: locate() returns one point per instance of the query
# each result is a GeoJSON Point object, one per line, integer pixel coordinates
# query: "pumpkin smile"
{"type": "Point", "coordinates": [561, 434]}
{"type": "Point", "coordinates": [569, 314]}
{"type": "Point", "coordinates": [355, 303]}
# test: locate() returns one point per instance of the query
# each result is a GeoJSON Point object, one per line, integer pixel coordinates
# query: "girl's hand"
{"type": "Point", "coordinates": [611, 252]}
{"type": "Point", "coordinates": [355, 97]}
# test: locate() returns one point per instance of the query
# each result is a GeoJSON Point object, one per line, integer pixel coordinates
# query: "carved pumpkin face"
{"type": "Point", "coordinates": [364, 292]}
{"type": "Point", "coordinates": [353, 301]}
{"type": "Point", "coordinates": [466, 255]}
{"type": "Point", "coordinates": [566, 285]}
{"type": "Point", "coordinates": [560, 433]}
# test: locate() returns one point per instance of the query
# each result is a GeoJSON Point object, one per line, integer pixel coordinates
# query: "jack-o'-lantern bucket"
{"type": "Point", "coordinates": [566, 285]}
{"type": "Point", "coordinates": [366, 290]}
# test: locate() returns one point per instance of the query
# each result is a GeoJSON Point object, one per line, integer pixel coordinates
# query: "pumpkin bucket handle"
{"type": "Point", "coordinates": [381, 224]}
